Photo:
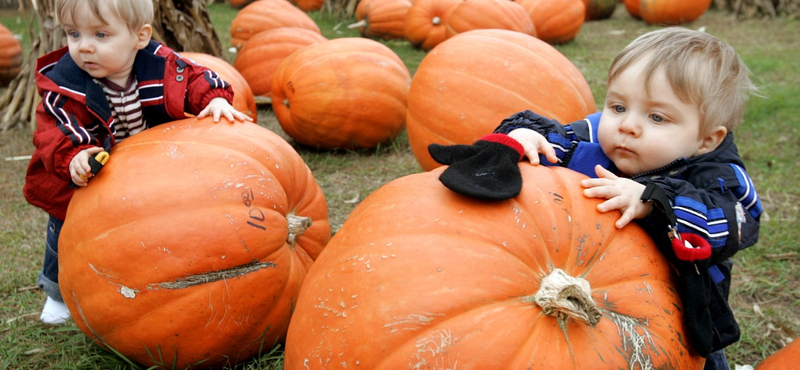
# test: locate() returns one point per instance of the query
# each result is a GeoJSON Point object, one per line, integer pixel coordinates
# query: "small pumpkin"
{"type": "Point", "coordinates": [343, 93]}
{"type": "Point", "coordinates": [10, 56]}
{"type": "Point", "coordinates": [633, 8]}
{"type": "Point", "coordinates": [784, 359]}
{"type": "Point", "coordinates": [556, 21]}
{"type": "Point", "coordinates": [381, 19]}
{"type": "Point", "coordinates": [189, 247]}
{"type": "Point", "coordinates": [260, 56]}
{"type": "Point", "coordinates": [489, 14]}
{"type": "Point", "coordinates": [421, 277]}
{"type": "Point", "coordinates": [672, 12]}
{"type": "Point", "coordinates": [465, 86]}
{"type": "Point", "coordinates": [238, 4]}
{"type": "Point", "coordinates": [425, 22]}
{"type": "Point", "coordinates": [243, 99]}
{"type": "Point", "coordinates": [262, 15]}
{"type": "Point", "coordinates": [309, 5]}
{"type": "Point", "coordinates": [599, 9]}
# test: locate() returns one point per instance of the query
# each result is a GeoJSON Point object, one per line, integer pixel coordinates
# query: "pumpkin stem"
{"type": "Point", "coordinates": [297, 227]}
{"type": "Point", "coordinates": [361, 23]}
{"type": "Point", "coordinates": [437, 21]}
{"type": "Point", "coordinates": [562, 296]}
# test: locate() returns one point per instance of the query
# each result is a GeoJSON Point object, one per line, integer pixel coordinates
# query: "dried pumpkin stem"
{"type": "Point", "coordinates": [297, 226]}
{"type": "Point", "coordinates": [562, 296]}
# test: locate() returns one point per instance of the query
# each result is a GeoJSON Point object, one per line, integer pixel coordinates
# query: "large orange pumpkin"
{"type": "Point", "coordinates": [784, 359]}
{"type": "Point", "coordinates": [10, 56]}
{"type": "Point", "coordinates": [260, 56]}
{"type": "Point", "coordinates": [191, 244]}
{"type": "Point", "coordinates": [489, 14]}
{"type": "Point", "coordinates": [262, 15]}
{"type": "Point", "coordinates": [243, 99]}
{"type": "Point", "coordinates": [633, 6]}
{"type": "Point", "coordinates": [556, 21]}
{"type": "Point", "coordinates": [464, 87]}
{"type": "Point", "coordinates": [420, 277]}
{"type": "Point", "coordinates": [672, 12]}
{"type": "Point", "coordinates": [599, 9]}
{"type": "Point", "coordinates": [344, 93]}
{"type": "Point", "coordinates": [425, 22]}
{"type": "Point", "coordinates": [381, 19]}
{"type": "Point", "coordinates": [309, 5]}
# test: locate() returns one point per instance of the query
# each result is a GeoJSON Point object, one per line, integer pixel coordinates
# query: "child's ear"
{"type": "Point", "coordinates": [712, 139]}
{"type": "Point", "coordinates": [143, 36]}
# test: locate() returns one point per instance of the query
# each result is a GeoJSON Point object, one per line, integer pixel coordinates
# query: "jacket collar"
{"type": "Point", "coordinates": [726, 152]}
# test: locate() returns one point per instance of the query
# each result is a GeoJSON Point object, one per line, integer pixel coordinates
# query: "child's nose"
{"type": "Point", "coordinates": [629, 125]}
{"type": "Point", "coordinates": [85, 46]}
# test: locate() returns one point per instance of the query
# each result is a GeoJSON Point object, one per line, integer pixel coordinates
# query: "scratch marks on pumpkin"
{"type": "Point", "coordinates": [635, 340]}
{"type": "Point", "coordinates": [212, 276]}
{"type": "Point", "coordinates": [433, 352]}
{"type": "Point", "coordinates": [125, 291]}
{"type": "Point", "coordinates": [173, 151]}
{"type": "Point", "coordinates": [414, 321]}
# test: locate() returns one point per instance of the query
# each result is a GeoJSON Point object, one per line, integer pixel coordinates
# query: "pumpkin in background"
{"type": "Point", "coordinates": [238, 4]}
{"type": "Point", "coordinates": [425, 22]}
{"type": "Point", "coordinates": [343, 93]}
{"type": "Point", "coordinates": [489, 14]}
{"type": "Point", "coordinates": [672, 12]}
{"type": "Point", "coordinates": [191, 244]}
{"type": "Point", "coordinates": [633, 8]}
{"type": "Point", "coordinates": [784, 359]}
{"type": "Point", "coordinates": [243, 99]}
{"type": "Point", "coordinates": [308, 5]}
{"type": "Point", "coordinates": [421, 276]}
{"type": "Point", "coordinates": [260, 56]}
{"type": "Point", "coordinates": [381, 19]}
{"type": "Point", "coordinates": [10, 56]}
{"type": "Point", "coordinates": [556, 21]}
{"type": "Point", "coordinates": [464, 87]}
{"type": "Point", "coordinates": [599, 9]}
{"type": "Point", "coordinates": [262, 15]}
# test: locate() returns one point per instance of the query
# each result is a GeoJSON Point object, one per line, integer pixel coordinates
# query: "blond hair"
{"type": "Point", "coordinates": [700, 68]}
{"type": "Point", "coordinates": [135, 13]}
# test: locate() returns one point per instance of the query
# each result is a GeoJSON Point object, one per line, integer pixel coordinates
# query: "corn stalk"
{"type": "Point", "coordinates": [760, 8]}
{"type": "Point", "coordinates": [180, 24]}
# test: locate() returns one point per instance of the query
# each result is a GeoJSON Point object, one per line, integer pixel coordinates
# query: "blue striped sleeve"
{"type": "Point", "coordinates": [746, 192]}
{"type": "Point", "coordinates": [696, 217]}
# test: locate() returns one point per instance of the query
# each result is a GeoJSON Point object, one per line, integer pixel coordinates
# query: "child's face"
{"type": "Point", "coordinates": [103, 51]}
{"type": "Point", "coordinates": [640, 133]}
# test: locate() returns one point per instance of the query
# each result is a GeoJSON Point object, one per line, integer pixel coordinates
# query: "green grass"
{"type": "Point", "coordinates": [765, 294]}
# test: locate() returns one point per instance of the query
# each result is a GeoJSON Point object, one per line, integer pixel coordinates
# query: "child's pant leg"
{"type": "Point", "coordinates": [48, 277]}
{"type": "Point", "coordinates": [716, 361]}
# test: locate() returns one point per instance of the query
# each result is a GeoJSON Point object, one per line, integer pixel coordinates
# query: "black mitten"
{"type": "Point", "coordinates": [694, 285]}
{"type": "Point", "coordinates": [486, 169]}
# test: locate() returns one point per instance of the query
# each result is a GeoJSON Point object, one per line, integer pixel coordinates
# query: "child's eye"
{"type": "Point", "coordinates": [74, 34]}
{"type": "Point", "coordinates": [101, 35]}
{"type": "Point", "coordinates": [619, 109]}
{"type": "Point", "coordinates": [656, 118]}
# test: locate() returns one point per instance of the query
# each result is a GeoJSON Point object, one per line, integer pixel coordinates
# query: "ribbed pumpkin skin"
{"type": "Point", "coordinates": [309, 5]}
{"type": "Point", "coordinates": [672, 12]}
{"type": "Point", "coordinates": [425, 22]}
{"type": "Point", "coordinates": [243, 99]}
{"type": "Point", "coordinates": [556, 21]}
{"type": "Point", "coordinates": [344, 93]}
{"type": "Point", "coordinates": [784, 359]}
{"type": "Point", "coordinates": [260, 56]}
{"type": "Point", "coordinates": [262, 15]}
{"type": "Point", "coordinates": [633, 8]}
{"type": "Point", "coordinates": [10, 56]}
{"type": "Point", "coordinates": [419, 275]}
{"type": "Point", "coordinates": [489, 14]}
{"type": "Point", "coordinates": [464, 87]}
{"type": "Point", "coordinates": [384, 19]}
{"type": "Point", "coordinates": [179, 245]}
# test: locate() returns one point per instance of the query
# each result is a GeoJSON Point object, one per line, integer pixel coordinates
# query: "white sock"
{"type": "Point", "coordinates": [54, 312]}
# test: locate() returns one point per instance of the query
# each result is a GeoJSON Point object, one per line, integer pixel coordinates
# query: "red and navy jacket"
{"type": "Point", "coordinates": [74, 113]}
{"type": "Point", "coordinates": [710, 195]}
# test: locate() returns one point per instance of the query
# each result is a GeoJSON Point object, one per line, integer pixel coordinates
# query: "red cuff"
{"type": "Point", "coordinates": [216, 93]}
{"type": "Point", "coordinates": [505, 140]}
{"type": "Point", "coordinates": [691, 247]}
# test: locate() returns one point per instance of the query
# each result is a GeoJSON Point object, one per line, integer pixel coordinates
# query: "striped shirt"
{"type": "Point", "coordinates": [125, 107]}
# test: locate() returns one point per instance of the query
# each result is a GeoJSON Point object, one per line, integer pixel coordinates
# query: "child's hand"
{"type": "Point", "coordinates": [622, 194]}
{"type": "Point", "coordinates": [219, 107]}
{"type": "Point", "coordinates": [79, 169]}
{"type": "Point", "coordinates": [534, 143]}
